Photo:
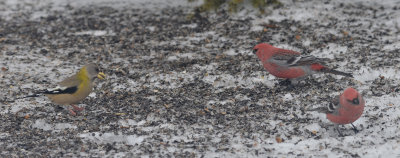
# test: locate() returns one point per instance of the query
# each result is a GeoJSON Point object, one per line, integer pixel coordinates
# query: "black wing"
{"type": "Point", "coordinates": [285, 57]}
{"type": "Point", "coordinates": [57, 90]}
{"type": "Point", "coordinates": [307, 60]}
{"type": "Point", "coordinates": [61, 90]}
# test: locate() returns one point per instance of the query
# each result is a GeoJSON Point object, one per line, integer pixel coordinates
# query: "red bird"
{"type": "Point", "coordinates": [344, 109]}
{"type": "Point", "coordinates": [290, 64]}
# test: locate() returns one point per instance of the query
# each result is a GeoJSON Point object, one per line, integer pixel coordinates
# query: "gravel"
{"type": "Point", "coordinates": [190, 87]}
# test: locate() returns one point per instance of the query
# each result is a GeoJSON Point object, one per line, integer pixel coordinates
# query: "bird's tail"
{"type": "Point", "coordinates": [9, 100]}
{"type": "Point", "coordinates": [31, 96]}
{"type": "Point", "coordinates": [36, 94]}
{"type": "Point", "coordinates": [57, 90]}
{"type": "Point", "coordinates": [327, 70]}
{"type": "Point", "coordinates": [319, 109]}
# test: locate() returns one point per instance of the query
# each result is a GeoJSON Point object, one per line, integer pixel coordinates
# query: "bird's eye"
{"type": "Point", "coordinates": [356, 101]}
{"type": "Point", "coordinates": [97, 70]}
{"type": "Point", "coordinates": [255, 51]}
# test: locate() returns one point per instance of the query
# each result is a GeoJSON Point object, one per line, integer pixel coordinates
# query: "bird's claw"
{"type": "Point", "coordinates": [76, 108]}
{"type": "Point", "coordinates": [354, 129]}
{"type": "Point", "coordinates": [286, 82]}
{"type": "Point", "coordinates": [72, 112]}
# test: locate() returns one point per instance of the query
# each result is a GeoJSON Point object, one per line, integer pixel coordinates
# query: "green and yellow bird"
{"type": "Point", "coordinates": [75, 88]}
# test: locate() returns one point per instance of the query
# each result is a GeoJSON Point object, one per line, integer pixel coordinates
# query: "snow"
{"type": "Point", "coordinates": [111, 138]}
{"type": "Point", "coordinates": [315, 137]}
{"type": "Point", "coordinates": [95, 33]}
{"type": "Point", "coordinates": [287, 97]}
{"type": "Point", "coordinates": [330, 51]}
{"type": "Point", "coordinates": [41, 124]}
{"type": "Point", "coordinates": [367, 74]}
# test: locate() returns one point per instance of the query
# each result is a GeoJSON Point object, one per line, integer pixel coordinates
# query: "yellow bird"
{"type": "Point", "coordinates": [75, 88]}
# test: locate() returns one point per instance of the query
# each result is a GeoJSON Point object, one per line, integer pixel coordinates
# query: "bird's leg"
{"type": "Point", "coordinates": [294, 81]}
{"type": "Point", "coordinates": [72, 112]}
{"type": "Point", "coordinates": [285, 82]}
{"type": "Point", "coordinates": [288, 84]}
{"type": "Point", "coordinates": [354, 129]}
{"type": "Point", "coordinates": [337, 128]}
{"type": "Point", "coordinates": [76, 108]}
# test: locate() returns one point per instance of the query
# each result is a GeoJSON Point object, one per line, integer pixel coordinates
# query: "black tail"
{"type": "Point", "coordinates": [320, 109]}
{"type": "Point", "coordinates": [327, 70]}
{"type": "Point", "coordinates": [36, 94]}
{"type": "Point", "coordinates": [30, 96]}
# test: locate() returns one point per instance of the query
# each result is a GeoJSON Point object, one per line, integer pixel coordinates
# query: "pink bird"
{"type": "Point", "coordinates": [344, 109]}
{"type": "Point", "coordinates": [290, 64]}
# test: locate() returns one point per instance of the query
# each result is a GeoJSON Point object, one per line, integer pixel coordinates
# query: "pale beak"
{"type": "Point", "coordinates": [101, 75]}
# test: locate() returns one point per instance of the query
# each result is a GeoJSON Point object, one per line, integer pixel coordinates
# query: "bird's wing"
{"type": "Point", "coordinates": [67, 86]}
{"type": "Point", "coordinates": [70, 81]}
{"type": "Point", "coordinates": [322, 109]}
{"type": "Point", "coordinates": [284, 58]}
{"type": "Point", "coordinates": [293, 58]}
{"type": "Point", "coordinates": [306, 60]}
{"type": "Point", "coordinates": [334, 105]}
{"type": "Point", "coordinates": [332, 108]}
{"type": "Point", "coordinates": [61, 90]}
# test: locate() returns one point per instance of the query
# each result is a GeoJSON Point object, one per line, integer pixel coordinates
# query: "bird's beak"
{"type": "Point", "coordinates": [255, 51]}
{"type": "Point", "coordinates": [101, 75]}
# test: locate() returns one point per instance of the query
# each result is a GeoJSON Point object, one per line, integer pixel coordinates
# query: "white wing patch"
{"type": "Point", "coordinates": [57, 89]}
{"type": "Point", "coordinates": [294, 60]}
{"type": "Point", "coordinates": [302, 60]}
{"type": "Point", "coordinates": [334, 106]}
{"type": "Point", "coordinates": [284, 59]}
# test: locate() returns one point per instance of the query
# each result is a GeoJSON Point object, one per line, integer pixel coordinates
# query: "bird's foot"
{"type": "Point", "coordinates": [354, 129]}
{"type": "Point", "coordinates": [76, 108]}
{"type": "Point", "coordinates": [286, 82]}
{"type": "Point", "coordinates": [72, 112]}
{"type": "Point", "coordinates": [338, 130]}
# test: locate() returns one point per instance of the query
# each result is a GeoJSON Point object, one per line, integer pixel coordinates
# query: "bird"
{"type": "Point", "coordinates": [73, 89]}
{"type": "Point", "coordinates": [344, 109]}
{"type": "Point", "coordinates": [291, 65]}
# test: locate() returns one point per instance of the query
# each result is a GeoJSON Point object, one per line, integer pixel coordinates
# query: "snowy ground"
{"type": "Point", "coordinates": [191, 87]}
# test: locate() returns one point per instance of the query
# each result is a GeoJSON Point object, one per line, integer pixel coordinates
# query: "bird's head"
{"type": "Point", "coordinates": [93, 71]}
{"type": "Point", "coordinates": [261, 46]}
{"type": "Point", "coordinates": [263, 51]}
{"type": "Point", "coordinates": [352, 96]}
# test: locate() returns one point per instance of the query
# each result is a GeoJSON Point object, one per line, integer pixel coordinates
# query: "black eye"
{"type": "Point", "coordinates": [97, 70]}
{"type": "Point", "coordinates": [255, 51]}
{"type": "Point", "coordinates": [355, 101]}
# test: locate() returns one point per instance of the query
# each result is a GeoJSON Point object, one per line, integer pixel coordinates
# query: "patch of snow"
{"type": "Point", "coordinates": [230, 52]}
{"type": "Point", "coordinates": [104, 138]}
{"type": "Point", "coordinates": [367, 74]}
{"type": "Point", "coordinates": [313, 127]}
{"type": "Point", "coordinates": [95, 33]}
{"type": "Point", "coordinates": [193, 25]}
{"type": "Point", "coordinates": [151, 28]}
{"type": "Point", "coordinates": [172, 58]}
{"type": "Point", "coordinates": [287, 97]}
{"type": "Point", "coordinates": [21, 104]}
{"type": "Point", "coordinates": [42, 124]}
{"type": "Point", "coordinates": [130, 122]}
{"type": "Point", "coordinates": [330, 51]}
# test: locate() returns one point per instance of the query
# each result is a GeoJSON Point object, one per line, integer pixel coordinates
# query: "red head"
{"type": "Point", "coordinates": [263, 51]}
{"type": "Point", "coordinates": [352, 96]}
